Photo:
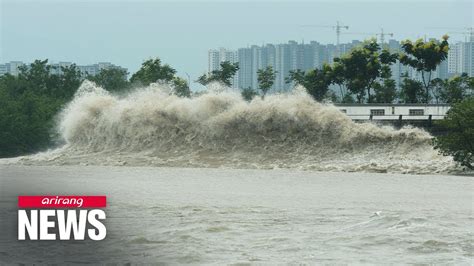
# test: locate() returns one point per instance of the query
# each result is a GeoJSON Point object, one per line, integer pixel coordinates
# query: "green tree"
{"type": "Point", "coordinates": [348, 98]}
{"type": "Point", "coordinates": [453, 90]}
{"type": "Point", "coordinates": [181, 87]}
{"type": "Point", "coordinates": [316, 81]}
{"type": "Point", "coordinates": [69, 81]}
{"type": "Point", "coordinates": [385, 92]}
{"type": "Point", "coordinates": [437, 88]}
{"type": "Point", "coordinates": [424, 57]}
{"type": "Point", "coordinates": [248, 94]}
{"type": "Point", "coordinates": [26, 121]}
{"type": "Point", "coordinates": [38, 76]}
{"type": "Point", "coordinates": [223, 75]}
{"type": "Point", "coordinates": [152, 71]}
{"type": "Point", "coordinates": [411, 91]}
{"type": "Point", "coordinates": [363, 66]}
{"type": "Point", "coordinates": [266, 78]}
{"type": "Point", "coordinates": [297, 76]}
{"type": "Point", "coordinates": [459, 142]}
{"type": "Point", "coordinates": [112, 79]}
{"type": "Point", "coordinates": [28, 104]}
{"type": "Point", "coordinates": [339, 80]}
{"type": "Point", "coordinates": [332, 97]}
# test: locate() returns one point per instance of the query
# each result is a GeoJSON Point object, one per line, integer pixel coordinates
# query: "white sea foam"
{"type": "Point", "coordinates": [152, 127]}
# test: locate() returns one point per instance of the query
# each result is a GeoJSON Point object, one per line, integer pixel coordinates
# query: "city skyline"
{"type": "Point", "coordinates": [180, 33]}
{"type": "Point", "coordinates": [291, 56]}
{"type": "Point", "coordinates": [284, 57]}
{"type": "Point", "coordinates": [13, 67]}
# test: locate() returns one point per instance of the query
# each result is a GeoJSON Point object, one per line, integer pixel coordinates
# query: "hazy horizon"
{"type": "Point", "coordinates": [181, 32]}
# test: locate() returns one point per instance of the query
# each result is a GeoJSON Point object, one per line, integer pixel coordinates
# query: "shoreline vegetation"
{"type": "Point", "coordinates": [30, 102]}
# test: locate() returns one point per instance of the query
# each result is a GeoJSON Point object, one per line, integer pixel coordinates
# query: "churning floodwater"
{"type": "Point", "coordinates": [226, 216]}
{"type": "Point", "coordinates": [150, 127]}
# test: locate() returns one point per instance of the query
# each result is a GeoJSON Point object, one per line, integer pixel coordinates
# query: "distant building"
{"type": "Point", "coordinates": [282, 57]}
{"type": "Point", "coordinates": [13, 68]}
{"type": "Point", "coordinates": [216, 57]}
{"type": "Point", "coordinates": [258, 62]}
{"type": "Point", "coordinates": [461, 58]}
{"type": "Point", "coordinates": [293, 55]}
{"type": "Point", "coordinates": [56, 68]}
{"type": "Point", "coordinates": [453, 58]}
{"type": "Point", "coordinates": [400, 71]}
{"type": "Point", "coordinates": [442, 70]}
{"type": "Point", "coordinates": [95, 69]}
{"type": "Point", "coordinates": [245, 68]}
{"type": "Point", "coordinates": [397, 67]}
{"type": "Point", "coordinates": [213, 60]}
{"type": "Point", "coordinates": [3, 69]}
{"type": "Point", "coordinates": [282, 66]}
{"type": "Point", "coordinates": [469, 58]}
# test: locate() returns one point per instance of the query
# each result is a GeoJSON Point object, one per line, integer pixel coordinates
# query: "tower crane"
{"type": "Point", "coordinates": [338, 27]}
{"type": "Point", "coordinates": [468, 31]}
{"type": "Point", "coordinates": [380, 35]}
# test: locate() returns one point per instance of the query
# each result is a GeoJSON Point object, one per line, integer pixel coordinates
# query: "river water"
{"type": "Point", "coordinates": [217, 216]}
{"type": "Point", "coordinates": [214, 179]}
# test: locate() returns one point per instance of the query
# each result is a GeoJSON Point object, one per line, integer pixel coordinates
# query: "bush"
{"type": "Point", "coordinates": [459, 141]}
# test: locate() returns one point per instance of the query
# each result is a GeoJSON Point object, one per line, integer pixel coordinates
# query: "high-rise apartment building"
{"type": "Point", "coordinates": [216, 57]}
{"type": "Point", "coordinates": [282, 57]}
{"type": "Point", "coordinates": [3, 69]}
{"type": "Point", "coordinates": [14, 67]}
{"type": "Point", "coordinates": [57, 67]}
{"type": "Point", "coordinates": [453, 58]}
{"type": "Point", "coordinates": [292, 55]}
{"type": "Point", "coordinates": [245, 68]}
{"type": "Point", "coordinates": [461, 58]}
{"type": "Point", "coordinates": [469, 58]}
{"type": "Point", "coordinates": [213, 60]}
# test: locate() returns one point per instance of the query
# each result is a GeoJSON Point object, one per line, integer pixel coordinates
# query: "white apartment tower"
{"type": "Point", "coordinates": [216, 57]}
{"type": "Point", "coordinates": [293, 55]}
{"type": "Point", "coordinates": [461, 58]}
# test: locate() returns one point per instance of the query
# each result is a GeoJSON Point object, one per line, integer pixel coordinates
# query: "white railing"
{"type": "Point", "coordinates": [396, 117]}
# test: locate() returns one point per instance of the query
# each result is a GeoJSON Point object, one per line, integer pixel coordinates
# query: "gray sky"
{"type": "Point", "coordinates": [181, 32]}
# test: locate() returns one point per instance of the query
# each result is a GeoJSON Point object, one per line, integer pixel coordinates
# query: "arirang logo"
{"type": "Point", "coordinates": [61, 217]}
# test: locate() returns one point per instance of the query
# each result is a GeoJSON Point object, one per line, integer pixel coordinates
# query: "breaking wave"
{"type": "Point", "coordinates": [151, 127]}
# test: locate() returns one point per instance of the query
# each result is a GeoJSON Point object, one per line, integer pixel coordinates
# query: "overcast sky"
{"type": "Point", "coordinates": [181, 32]}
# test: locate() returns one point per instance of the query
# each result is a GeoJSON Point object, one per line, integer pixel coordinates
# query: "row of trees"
{"type": "Point", "coordinates": [151, 71]}
{"type": "Point", "coordinates": [30, 101]}
{"type": "Point", "coordinates": [224, 75]}
{"type": "Point", "coordinates": [28, 104]}
{"type": "Point", "coordinates": [364, 75]}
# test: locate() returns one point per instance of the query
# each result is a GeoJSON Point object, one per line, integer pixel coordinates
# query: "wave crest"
{"type": "Point", "coordinates": [219, 129]}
